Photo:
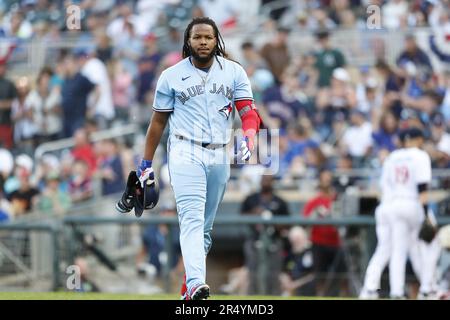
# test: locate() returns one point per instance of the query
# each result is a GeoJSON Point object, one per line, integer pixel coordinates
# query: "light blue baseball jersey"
{"type": "Point", "coordinates": [202, 104]}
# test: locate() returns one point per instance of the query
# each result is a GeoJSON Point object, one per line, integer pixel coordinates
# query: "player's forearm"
{"type": "Point", "coordinates": [154, 133]}
{"type": "Point", "coordinates": [423, 196]}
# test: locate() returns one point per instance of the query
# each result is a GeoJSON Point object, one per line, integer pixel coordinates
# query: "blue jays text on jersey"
{"type": "Point", "coordinates": [199, 90]}
{"type": "Point", "coordinates": [201, 102]}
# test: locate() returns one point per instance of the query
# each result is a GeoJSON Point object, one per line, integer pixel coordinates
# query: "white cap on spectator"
{"type": "Point", "coordinates": [341, 74]}
{"type": "Point", "coordinates": [51, 161]}
{"type": "Point", "coordinates": [371, 83]}
{"type": "Point", "coordinates": [25, 161]}
{"type": "Point", "coordinates": [6, 161]}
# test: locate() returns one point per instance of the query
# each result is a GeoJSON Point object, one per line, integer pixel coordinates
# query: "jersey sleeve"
{"type": "Point", "coordinates": [242, 86]}
{"type": "Point", "coordinates": [164, 98]}
{"type": "Point", "coordinates": [423, 173]}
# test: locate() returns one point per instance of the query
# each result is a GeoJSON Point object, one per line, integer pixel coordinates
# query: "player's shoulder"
{"type": "Point", "coordinates": [175, 69]}
{"type": "Point", "coordinates": [394, 154]}
{"type": "Point", "coordinates": [420, 154]}
{"type": "Point", "coordinates": [229, 64]}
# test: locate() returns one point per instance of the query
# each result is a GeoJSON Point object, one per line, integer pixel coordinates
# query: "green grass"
{"type": "Point", "coordinates": [112, 296]}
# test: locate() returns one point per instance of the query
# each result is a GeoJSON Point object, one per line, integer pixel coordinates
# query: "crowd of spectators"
{"type": "Point", "coordinates": [329, 110]}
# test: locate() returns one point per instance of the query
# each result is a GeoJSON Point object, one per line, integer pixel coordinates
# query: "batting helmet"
{"type": "Point", "coordinates": [137, 197]}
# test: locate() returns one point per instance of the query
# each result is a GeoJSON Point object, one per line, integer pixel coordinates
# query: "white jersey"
{"type": "Point", "coordinates": [403, 171]}
{"type": "Point", "coordinates": [201, 103]}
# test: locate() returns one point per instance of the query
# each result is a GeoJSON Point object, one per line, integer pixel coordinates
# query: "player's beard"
{"type": "Point", "coordinates": [203, 59]}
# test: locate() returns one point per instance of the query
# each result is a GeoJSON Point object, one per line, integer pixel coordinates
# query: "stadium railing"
{"type": "Point", "coordinates": [30, 255]}
{"type": "Point", "coordinates": [52, 244]}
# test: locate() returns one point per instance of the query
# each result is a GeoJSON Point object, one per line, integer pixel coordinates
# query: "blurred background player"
{"type": "Point", "coordinates": [404, 183]}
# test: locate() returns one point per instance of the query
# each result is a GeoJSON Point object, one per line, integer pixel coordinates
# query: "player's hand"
{"type": "Point", "coordinates": [145, 173]}
{"type": "Point", "coordinates": [246, 148]}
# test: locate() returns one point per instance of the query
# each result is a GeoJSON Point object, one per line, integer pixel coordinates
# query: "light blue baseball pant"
{"type": "Point", "coordinates": [198, 177]}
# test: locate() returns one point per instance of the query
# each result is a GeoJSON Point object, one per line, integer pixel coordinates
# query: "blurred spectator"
{"type": "Point", "coordinates": [47, 164]}
{"type": "Point", "coordinates": [327, 58]}
{"type": "Point", "coordinates": [148, 66]}
{"type": "Point", "coordinates": [16, 26]}
{"type": "Point", "coordinates": [285, 102]}
{"type": "Point", "coordinates": [344, 167]}
{"type": "Point", "coordinates": [308, 75]}
{"type": "Point", "coordinates": [276, 53]}
{"type": "Point", "coordinates": [40, 10]}
{"type": "Point", "coordinates": [101, 106]}
{"type": "Point", "coordinates": [423, 106]}
{"type": "Point", "coordinates": [260, 77]}
{"type": "Point", "coordinates": [339, 97]}
{"type": "Point", "coordinates": [357, 140]}
{"type": "Point", "coordinates": [6, 213]}
{"type": "Point", "coordinates": [80, 184]}
{"type": "Point", "coordinates": [320, 20]}
{"type": "Point", "coordinates": [297, 278]}
{"type": "Point", "coordinates": [83, 150]}
{"type": "Point", "coordinates": [8, 93]}
{"type": "Point", "coordinates": [52, 200]}
{"type": "Point", "coordinates": [74, 94]}
{"type": "Point", "coordinates": [122, 90]}
{"type": "Point", "coordinates": [116, 28]}
{"type": "Point", "coordinates": [299, 141]}
{"type": "Point", "coordinates": [110, 169]}
{"type": "Point", "coordinates": [23, 116]}
{"type": "Point", "coordinates": [439, 148]}
{"type": "Point", "coordinates": [128, 48]}
{"type": "Point", "coordinates": [6, 166]}
{"type": "Point", "coordinates": [57, 78]}
{"type": "Point", "coordinates": [385, 134]}
{"type": "Point", "coordinates": [104, 49]}
{"type": "Point", "coordinates": [154, 244]}
{"type": "Point", "coordinates": [173, 42]}
{"type": "Point", "coordinates": [252, 60]}
{"type": "Point", "coordinates": [369, 97]}
{"type": "Point", "coordinates": [412, 53]}
{"type": "Point", "coordinates": [223, 12]}
{"type": "Point", "coordinates": [265, 203]}
{"type": "Point", "coordinates": [395, 14]}
{"type": "Point", "coordinates": [327, 255]}
{"type": "Point", "coordinates": [24, 198]}
{"type": "Point", "coordinates": [393, 84]}
{"type": "Point", "coordinates": [45, 102]}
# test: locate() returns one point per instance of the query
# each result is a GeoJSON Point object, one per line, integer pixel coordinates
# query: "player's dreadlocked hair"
{"type": "Point", "coordinates": [220, 48]}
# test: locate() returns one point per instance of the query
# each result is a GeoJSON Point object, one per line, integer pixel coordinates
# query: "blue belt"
{"type": "Point", "coordinates": [205, 145]}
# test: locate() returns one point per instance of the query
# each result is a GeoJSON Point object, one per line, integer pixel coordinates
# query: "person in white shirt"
{"type": "Point", "coordinates": [100, 102]}
{"type": "Point", "coordinates": [357, 140]}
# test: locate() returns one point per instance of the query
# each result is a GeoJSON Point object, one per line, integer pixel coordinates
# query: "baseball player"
{"type": "Point", "coordinates": [405, 177]}
{"type": "Point", "coordinates": [197, 97]}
